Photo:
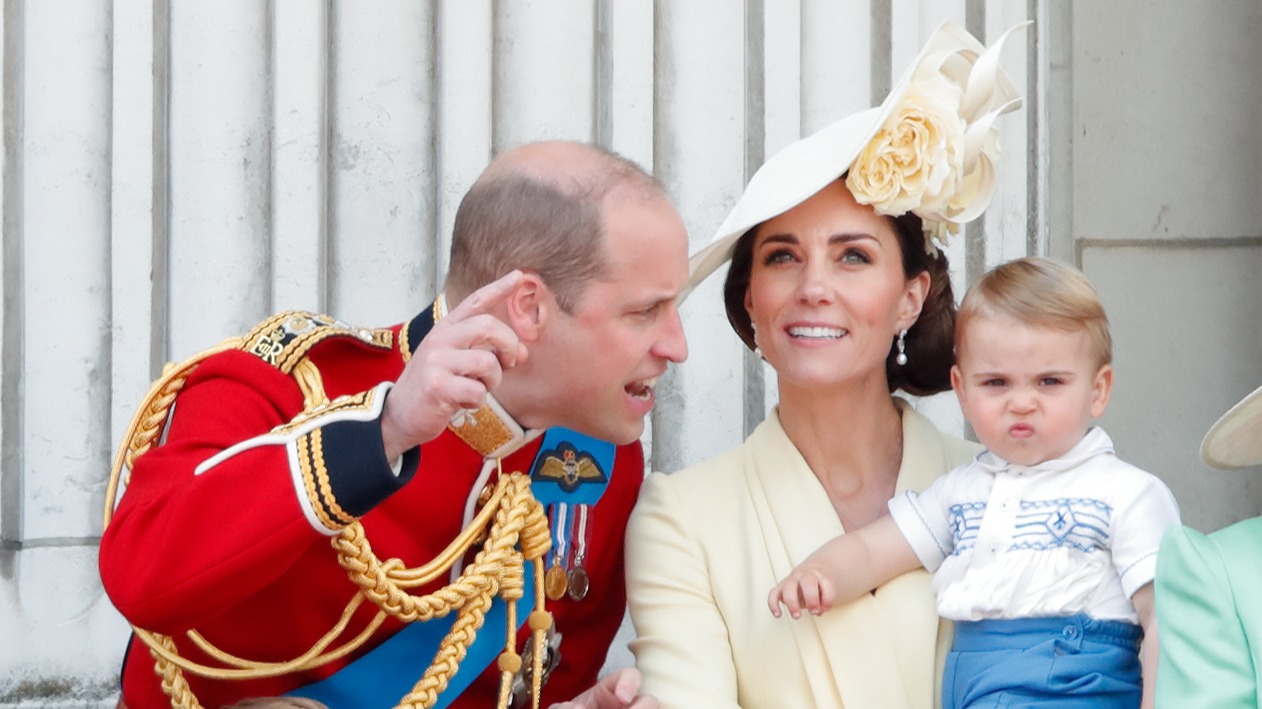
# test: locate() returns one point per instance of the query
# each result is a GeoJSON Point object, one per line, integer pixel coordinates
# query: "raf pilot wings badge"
{"type": "Point", "coordinates": [571, 468]}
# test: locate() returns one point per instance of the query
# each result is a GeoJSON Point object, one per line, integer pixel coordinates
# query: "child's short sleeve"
{"type": "Point", "coordinates": [922, 519]}
{"type": "Point", "coordinates": [1145, 509]}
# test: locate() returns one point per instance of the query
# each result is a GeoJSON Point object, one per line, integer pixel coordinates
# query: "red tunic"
{"type": "Point", "coordinates": [231, 552]}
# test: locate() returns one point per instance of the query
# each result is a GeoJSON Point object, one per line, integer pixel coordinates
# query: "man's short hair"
{"type": "Point", "coordinates": [552, 225]}
{"type": "Point", "coordinates": [1040, 292]}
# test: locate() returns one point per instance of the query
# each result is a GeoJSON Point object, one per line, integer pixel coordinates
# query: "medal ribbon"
{"type": "Point", "coordinates": [560, 530]}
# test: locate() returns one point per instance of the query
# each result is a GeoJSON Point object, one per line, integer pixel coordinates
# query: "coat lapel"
{"type": "Point", "coordinates": [872, 652]}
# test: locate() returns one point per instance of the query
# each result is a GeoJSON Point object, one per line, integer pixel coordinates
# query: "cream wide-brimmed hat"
{"type": "Point", "coordinates": [1235, 439]}
{"type": "Point", "coordinates": [929, 148]}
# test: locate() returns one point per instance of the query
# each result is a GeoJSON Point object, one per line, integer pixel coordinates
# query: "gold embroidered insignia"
{"type": "Point", "coordinates": [481, 429]}
{"type": "Point", "coordinates": [570, 468]}
{"type": "Point", "coordinates": [284, 339]}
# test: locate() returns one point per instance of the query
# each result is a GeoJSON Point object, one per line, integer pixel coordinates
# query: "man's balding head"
{"type": "Point", "coordinates": [539, 207]}
{"type": "Point", "coordinates": [570, 167]}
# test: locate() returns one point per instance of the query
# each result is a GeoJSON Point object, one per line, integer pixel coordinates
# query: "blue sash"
{"type": "Point", "coordinates": [569, 467]}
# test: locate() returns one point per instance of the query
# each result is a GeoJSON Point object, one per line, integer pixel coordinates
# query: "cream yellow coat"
{"type": "Point", "coordinates": [706, 544]}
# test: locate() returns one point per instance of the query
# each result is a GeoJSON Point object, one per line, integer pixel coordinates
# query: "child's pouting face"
{"type": "Point", "coordinates": [1029, 392]}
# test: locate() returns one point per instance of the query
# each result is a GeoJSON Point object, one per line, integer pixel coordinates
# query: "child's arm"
{"type": "Point", "coordinates": [1148, 650]}
{"type": "Point", "coordinates": [844, 569]}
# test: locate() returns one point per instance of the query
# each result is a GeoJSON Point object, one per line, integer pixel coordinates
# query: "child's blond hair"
{"type": "Point", "coordinates": [1042, 293]}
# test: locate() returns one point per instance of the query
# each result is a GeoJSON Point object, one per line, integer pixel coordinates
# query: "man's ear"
{"type": "Point", "coordinates": [530, 307]}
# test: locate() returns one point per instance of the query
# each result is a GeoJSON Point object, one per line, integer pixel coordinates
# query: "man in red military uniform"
{"type": "Point", "coordinates": [565, 268]}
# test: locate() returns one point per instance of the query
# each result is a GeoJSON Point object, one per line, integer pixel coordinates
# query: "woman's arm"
{"type": "Point", "coordinates": [1205, 659]}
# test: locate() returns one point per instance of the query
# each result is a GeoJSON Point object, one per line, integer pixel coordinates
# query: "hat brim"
{"type": "Point", "coordinates": [808, 165]}
{"type": "Point", "coordinates": [1235, 439]}
{"type": "Point", "coordinates": [788, 179]}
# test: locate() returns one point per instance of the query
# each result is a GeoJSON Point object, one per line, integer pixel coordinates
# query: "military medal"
{"type": "Point", "coordinates": [570, 473]}
{"type": "Point", "coordinates": [578, 582]}
{"type": "Point", "coordinates": [555, 579]}
{"type": "Point", "coordinates": [555, 582]}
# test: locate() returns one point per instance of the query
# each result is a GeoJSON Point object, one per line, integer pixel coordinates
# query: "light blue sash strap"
{"type": "Point", "coordinates": [381, 678]}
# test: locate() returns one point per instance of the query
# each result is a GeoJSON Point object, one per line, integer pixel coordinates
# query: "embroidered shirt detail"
{"type": "Point", "coordinates": [966, 520]}
{"type": "Point", "coordinates": [1080, 523]}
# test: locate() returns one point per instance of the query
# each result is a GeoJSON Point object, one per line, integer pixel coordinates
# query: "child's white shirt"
{"type": "Point", "coordinates": [1076, 534]}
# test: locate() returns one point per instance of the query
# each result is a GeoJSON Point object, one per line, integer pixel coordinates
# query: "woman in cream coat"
{"type": "Point", "coordinates": [707, 544]}
{"type": "Point", "coordinates": [840, 287]}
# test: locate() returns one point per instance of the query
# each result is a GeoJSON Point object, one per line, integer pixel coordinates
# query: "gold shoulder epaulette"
{"type": "Point", "coordinates": [285, 338]}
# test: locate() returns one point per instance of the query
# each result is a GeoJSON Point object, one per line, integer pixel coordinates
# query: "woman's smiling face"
{"type": "Point", "coordinates": [827, 294]}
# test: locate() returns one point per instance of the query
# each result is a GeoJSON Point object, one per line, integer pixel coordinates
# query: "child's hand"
{"type": "Point", "coordinates": [802, 589]}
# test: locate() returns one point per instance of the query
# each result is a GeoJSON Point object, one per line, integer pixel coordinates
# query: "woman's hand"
{"type": "Point", "coordinates": [617, 690]}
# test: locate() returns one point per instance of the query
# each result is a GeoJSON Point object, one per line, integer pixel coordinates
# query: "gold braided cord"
{"type": "Point", "coordinates": [510, 661]}
{"type": "Point", "coordinates": [511, 526]}
{"type": "Point", "coordinates": [405, 347]}
{"type": "Point", "coordinates": [173, 683]}
{"type": "Point", "coordinates": [296, 349]}
{"type": "Point", "coordinates": [540, 621]}
{"type": "Point", "coordinates": [316, 438]}
{"type": "Point", "coordinates": [450, 653]}
{"type": "Point", "coordinates": [515, 510]}
{"type": "Point", "coordinates": [496, 568]}
{"type": "Point", "coordinates": [309, 483]}
{"type": "Point", "coordinates": [146, 424]}
{"type": "Point", "coordinates": [146, 427]}
{"type": "Point", "coordinates": [311, 383]}
{"type": "Point", "coordinates": [314, 660]}
{"type": "Point", "coordinates": [240, 668]}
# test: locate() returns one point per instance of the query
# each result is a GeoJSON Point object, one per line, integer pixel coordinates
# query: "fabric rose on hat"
{"type": "Point", "coordinates": [914, 162]}
{"type": "Point", "coordinates": [935, 153]}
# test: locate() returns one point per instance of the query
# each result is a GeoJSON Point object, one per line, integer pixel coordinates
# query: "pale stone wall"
{"type": "Point", "coordinates": [173, 171]}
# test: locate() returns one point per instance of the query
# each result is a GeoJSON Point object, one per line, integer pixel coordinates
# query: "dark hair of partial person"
{"type": "Point", "coordinates": [929, 342]}
{"type": "Point", "coordinates": [552, 226]}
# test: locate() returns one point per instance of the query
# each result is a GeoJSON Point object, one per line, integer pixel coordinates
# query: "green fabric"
{"type": "Point", "coordinates": [1209, 617]}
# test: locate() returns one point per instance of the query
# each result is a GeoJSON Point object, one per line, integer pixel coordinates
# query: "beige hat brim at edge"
{"type": "Point", "coordinates": [1235, 439]}
{"type": "Point", "coordinates": [806, 166]}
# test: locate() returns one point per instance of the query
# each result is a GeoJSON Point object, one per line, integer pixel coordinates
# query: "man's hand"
{"type": "Point", "coordinates": [453, 368]}
{"type": "Point", "coordinates": [617, 690]}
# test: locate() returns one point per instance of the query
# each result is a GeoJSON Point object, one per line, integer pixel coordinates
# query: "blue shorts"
{"type": "Point", "coordinates": [1068, 663]}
